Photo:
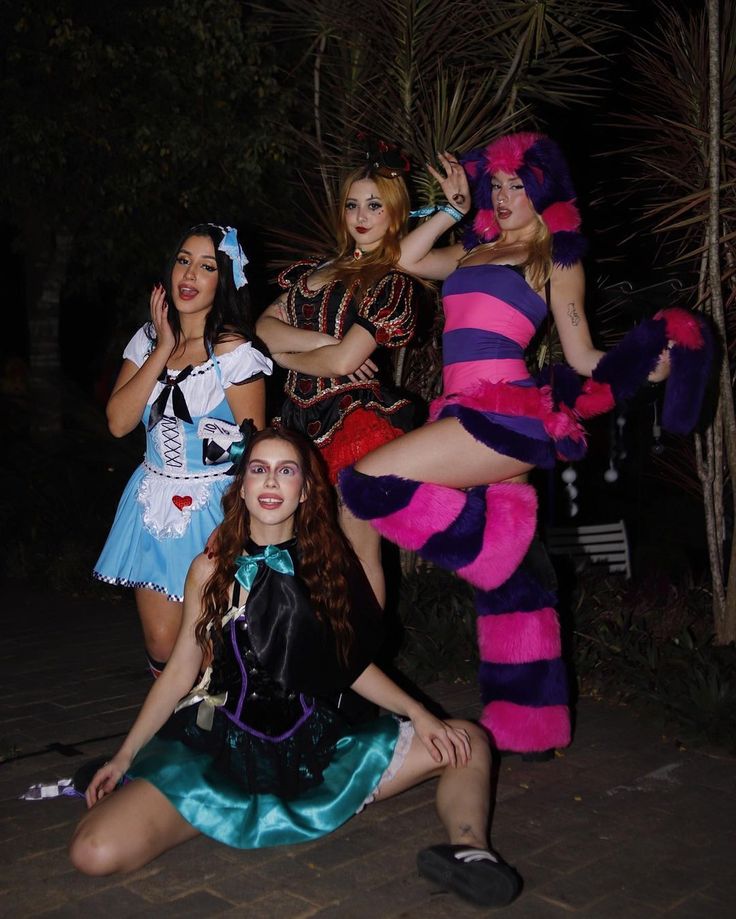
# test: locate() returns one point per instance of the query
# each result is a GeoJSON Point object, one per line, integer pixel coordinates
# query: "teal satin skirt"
{"type": "Point", "coordinates": [218, 807]}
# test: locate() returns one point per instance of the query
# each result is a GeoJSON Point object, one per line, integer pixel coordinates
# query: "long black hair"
{"type": "Point", "coordinates": [230, 316]}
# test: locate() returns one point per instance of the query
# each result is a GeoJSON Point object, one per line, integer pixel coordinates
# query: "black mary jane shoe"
{"type": "Point", "coordinates": [476, 875]}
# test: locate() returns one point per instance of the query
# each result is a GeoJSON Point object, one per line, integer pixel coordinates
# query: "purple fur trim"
{"type": "Point", "coordinates": [374, 496]}
{"type": "Point", "coordinates": [532, 586]}
{"type": "Point", "coordinates": [459, 543]}
{"type": "Point", "coordinates": [538, 453]}
{"type": "Point", "coordinates": [526, 729]}
{"type": "Point", "coordinates": [568, 248]}
{"type": "Point", "coordinates": [520, 592]}
{"type": "Point", "coordinates": [626, 367]}
{"type": "Point", "coordinates": [688, 379]}
{"type": "Point", "coordinates": [511, 519]}
{"type": "Point", "coordinates": [566, 383]}
{"type": "Point", "coordinates": [535, 683]}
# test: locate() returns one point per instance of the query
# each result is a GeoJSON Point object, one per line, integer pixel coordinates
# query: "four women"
{"type": "Point", "coordinates": [277, 614]}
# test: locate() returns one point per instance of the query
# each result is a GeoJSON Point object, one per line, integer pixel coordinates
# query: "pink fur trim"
{"type": "Point", "coordinates": [563, 215]}
{"type": "Point", "coordinates": [485, 224]}
{"type": "Point", "coordinates": [564, 424]}
{"type": "Point", "coordinates": [595, 399]}
{"type": "Point", "coordinates": [511, 520]}
{"type": "Point", "coordinates": [507, 399]}
{"type": "Point", "coordinates": [682, 327]}
{"type": "Point", "coordinates": [525, 729]}
{"type": "Point", "coordinates": [431, 510]}
{"type": "Point", "coordinates": [519, 638]}
{"type": "Point", "coordinates": [507, 153]}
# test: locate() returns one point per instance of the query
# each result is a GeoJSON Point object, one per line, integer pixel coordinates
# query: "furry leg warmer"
{"type": "Point", "coordinates": [523, 679]}
{"type": "Point", "coordinates": [482, 533]}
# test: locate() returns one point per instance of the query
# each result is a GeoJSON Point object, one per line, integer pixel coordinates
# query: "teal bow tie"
{"type": "Point", "coordinates": [247, 565]}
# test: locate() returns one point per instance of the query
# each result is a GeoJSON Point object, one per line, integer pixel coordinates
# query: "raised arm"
{"type": "Point", "coordinates": [417, 255]}
{"type": "Point", "coordinates": [276, 332]}
{"type": "Point", "coordinates": [135, 384]}
{"type": "Point", "coordinates": [174, 683]}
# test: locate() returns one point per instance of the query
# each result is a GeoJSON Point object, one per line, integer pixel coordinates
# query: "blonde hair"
{"type": "Point", "coordinates": [363, 273]}
{"type": "Point", "coordinates": [538, 263]}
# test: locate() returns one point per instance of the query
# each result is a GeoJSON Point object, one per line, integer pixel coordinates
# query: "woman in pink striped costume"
{"type": "Point", "coordinates": [455, 490]}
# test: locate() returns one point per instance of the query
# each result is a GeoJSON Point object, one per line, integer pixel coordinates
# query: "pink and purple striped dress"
{"type": "Point", "coordinates": [491, 315]}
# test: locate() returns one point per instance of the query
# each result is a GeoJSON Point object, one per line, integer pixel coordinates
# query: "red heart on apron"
{"type": "Point", "coordinates": [182, 501]}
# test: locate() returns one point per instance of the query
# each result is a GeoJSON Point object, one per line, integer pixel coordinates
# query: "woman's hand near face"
{"type": "Point", "coordinates": [135, 384]}
{"type": "Point", "coordinates": [160, 318]}
{"type": "Point", "coordinates": [417, 255]}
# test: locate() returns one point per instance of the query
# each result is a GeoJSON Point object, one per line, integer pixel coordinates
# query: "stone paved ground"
{"type": "Point", "coordinates": [622, 825]}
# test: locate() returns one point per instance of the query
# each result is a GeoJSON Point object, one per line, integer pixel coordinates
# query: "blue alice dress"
{"type": "Point", "coordinates": [257, 754]}
{"type": "Point", "coordinates": [171, 503]}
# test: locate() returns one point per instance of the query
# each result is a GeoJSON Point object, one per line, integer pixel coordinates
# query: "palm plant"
{"type": "Point", "coordinates": [429, 75]}
{"type": "Point", "coordinates": [684, 146]}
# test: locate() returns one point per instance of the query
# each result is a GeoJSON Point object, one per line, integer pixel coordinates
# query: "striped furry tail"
{"type": "Point", "coordinates": [481, 533]}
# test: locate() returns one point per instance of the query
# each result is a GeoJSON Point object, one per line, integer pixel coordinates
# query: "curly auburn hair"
{"type": "Point", "coordinates": [324, 555]}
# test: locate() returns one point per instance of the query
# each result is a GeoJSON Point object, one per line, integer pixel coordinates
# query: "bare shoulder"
{"type": "Point", "coordinates": [229, 341]}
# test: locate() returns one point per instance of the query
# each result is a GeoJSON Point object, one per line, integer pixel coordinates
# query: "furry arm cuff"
{"type": "Point", "coordinates": [625, 368]}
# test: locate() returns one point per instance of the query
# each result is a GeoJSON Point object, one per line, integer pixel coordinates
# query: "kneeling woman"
{"type": "Point", "coordinates": [252, 756]}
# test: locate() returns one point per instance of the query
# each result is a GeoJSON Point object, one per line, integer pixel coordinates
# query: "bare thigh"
{"type": "Point", "coordinates": [127, 830]}
{"type": "Point", "coordinates": [160, 620]}
{"type": "Point", "coordinates": [443, 453]}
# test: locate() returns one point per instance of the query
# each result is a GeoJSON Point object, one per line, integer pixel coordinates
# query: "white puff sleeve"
{"type": "Point", "coordinates": [139, 347]}
{"type": "Point", "coordinates": [243, 364]}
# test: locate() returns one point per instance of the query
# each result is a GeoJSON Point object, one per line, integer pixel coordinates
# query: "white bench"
{"type": "Point", "coordinates": [604, 544]}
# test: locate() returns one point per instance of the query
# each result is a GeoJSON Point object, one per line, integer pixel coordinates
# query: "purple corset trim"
{"type": "Point", "coordinates": [235, 717]}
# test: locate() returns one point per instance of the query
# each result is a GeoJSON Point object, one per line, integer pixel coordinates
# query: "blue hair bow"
{"type": "Point", "coordinates": [231, 247]}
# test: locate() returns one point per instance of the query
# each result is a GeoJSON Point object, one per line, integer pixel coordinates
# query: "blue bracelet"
{"type": "Point", "coordinates": [430, 209]}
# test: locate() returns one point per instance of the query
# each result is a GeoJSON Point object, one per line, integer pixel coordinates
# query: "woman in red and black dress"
{"type": "Point", "coordinates": [329, 328]}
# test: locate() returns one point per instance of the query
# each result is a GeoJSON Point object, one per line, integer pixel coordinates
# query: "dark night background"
{"type": "Point", "coordinates": [126, 122]}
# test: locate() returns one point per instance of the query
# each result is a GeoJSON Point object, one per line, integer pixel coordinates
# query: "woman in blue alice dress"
{"type": "Point", "coordinates": [192, 376]}
{"type": "Point", "coordinates": [255, 755]}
